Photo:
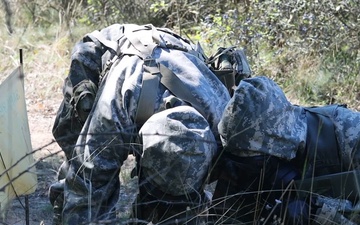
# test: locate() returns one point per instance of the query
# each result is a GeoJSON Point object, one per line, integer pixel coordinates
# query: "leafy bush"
{"type": "Point", "coordinates": [311, 48]}
{"type": "Point", "coordinates": [284, 39]}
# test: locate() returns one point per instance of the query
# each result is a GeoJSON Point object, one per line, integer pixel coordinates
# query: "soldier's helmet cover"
{"type": "Point", "coordinates": [178, 147]}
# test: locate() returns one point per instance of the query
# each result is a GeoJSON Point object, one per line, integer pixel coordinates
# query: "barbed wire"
{"type": "Point", "coordinates": [41, 148]}
{"type": "Point", "coordinates": [138, 145]}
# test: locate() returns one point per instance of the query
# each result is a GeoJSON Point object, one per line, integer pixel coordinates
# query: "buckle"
{"type": "Point", "coordinates": [150, 61]}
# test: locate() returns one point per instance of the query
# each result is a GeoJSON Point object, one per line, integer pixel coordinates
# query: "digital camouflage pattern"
{"type": "Point", "coordinates": [330, 212]}
{"type": "Point", "coordinates": [184, 137]}
{"type": "Point", "coordinates": [259, 119]}
{"type": "Point", "coordinates": [109, 133]}
{"type": "Point", "coordinates": [347, 130]}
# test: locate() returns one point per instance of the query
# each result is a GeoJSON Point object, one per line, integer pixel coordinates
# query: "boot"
{"type": "Point", "coordinates": [56, 196]}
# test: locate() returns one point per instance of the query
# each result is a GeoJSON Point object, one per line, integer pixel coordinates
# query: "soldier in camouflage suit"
{"type": "Point", "coordinates": [97, 124]}
{"type": "Point", "coordinates": [268, 142]}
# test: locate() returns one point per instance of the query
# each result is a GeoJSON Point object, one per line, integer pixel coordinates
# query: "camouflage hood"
{"type": "Point", "coordinates": [259, 119]}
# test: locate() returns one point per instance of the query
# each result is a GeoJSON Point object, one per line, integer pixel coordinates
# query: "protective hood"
{"type": "Point", "coordinates": [260, 119]}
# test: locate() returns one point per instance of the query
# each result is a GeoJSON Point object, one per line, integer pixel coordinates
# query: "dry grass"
{"type": "Point", "coordinates": [46, 63]}
{"type": "Point", "coordinates": [45, 60]}
{"type": "Point", "coordinates": [309, 79]}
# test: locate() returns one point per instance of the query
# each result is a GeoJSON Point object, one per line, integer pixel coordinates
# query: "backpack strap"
{"type": "Point", "coordinates": [144, 50]}
{"type": "Point", "coordinates": [173, 83]}
{"type": "Point", "coordinates": [151, 73]}
{"type": "Point", "coordinates": [112, 53]}
{"type": "Point", "coordinates": [155, 73]}
{"type": "Point", "coordinates": [148, 94]}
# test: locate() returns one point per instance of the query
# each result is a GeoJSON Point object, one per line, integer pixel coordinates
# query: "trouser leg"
{"type": "Point", "coordinates": [56, 194]}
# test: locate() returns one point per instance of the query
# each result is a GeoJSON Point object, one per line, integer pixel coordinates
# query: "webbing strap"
{"type": "Point", "coordinates": [108, 43]}
{"type": "Point", "coordinates": [173, 83]}
{"type": "Point", "coordinates": [220, 52]}
{"type": "Point", "coordinates": [112, 45]}
{"type": "Point", "coordinates": [152, 74]}
{"type": "Point", "coordinates": [145, 49]}
{"type": "Point", "coordinates": [105, 71]}
{"type": "Point", "coordinates": [148, 94]}
{"type": "Point", "coordinates": [150, 81]}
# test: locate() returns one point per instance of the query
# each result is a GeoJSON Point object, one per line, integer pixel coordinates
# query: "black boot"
{"type": "Point", "coordinates": [56, 196]}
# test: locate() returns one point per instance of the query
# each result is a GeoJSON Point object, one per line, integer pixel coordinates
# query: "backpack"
{"type": "Point", "coordinates": [72, 114]}
{"type": "Point", "coordinates": [230, 65]}
{"type": "Point", "coordinates": [78, 99]}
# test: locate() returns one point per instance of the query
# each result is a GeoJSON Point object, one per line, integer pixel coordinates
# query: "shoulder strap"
{"type": "Point", "coordinates": [153, 73]}
{"type": "Point", "coordinates": [173, 83]}
{"type": "Point", "coordinates": [148, 94]}
{"type": "Point", "coordinates": [145, 50]}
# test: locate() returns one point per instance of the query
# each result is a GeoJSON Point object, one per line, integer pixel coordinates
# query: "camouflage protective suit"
{"type": "Point", "coordinates": [260, 120]}
{"type": "Point", "coordinates": [97, 123]}
{"type": "Point", "coordinates": [272, 142]}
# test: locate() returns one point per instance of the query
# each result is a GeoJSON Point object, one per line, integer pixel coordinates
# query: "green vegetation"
{"type": "Point", "coordinates": [311, 48]}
